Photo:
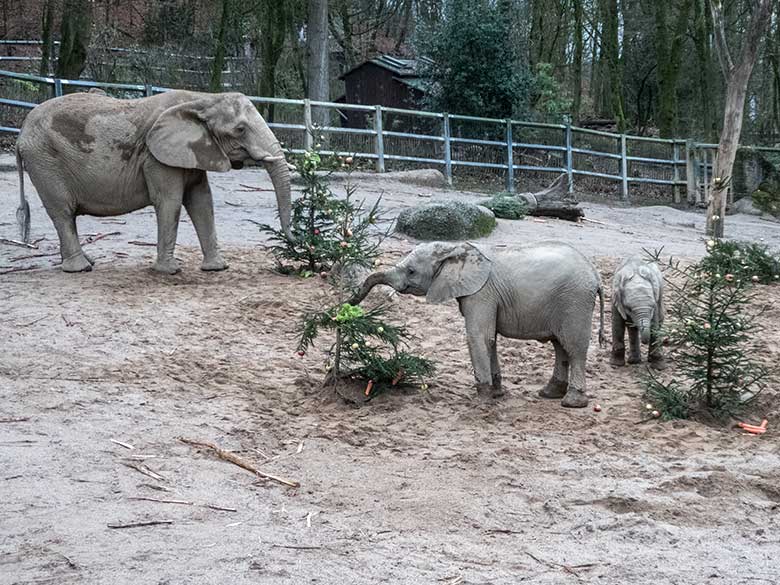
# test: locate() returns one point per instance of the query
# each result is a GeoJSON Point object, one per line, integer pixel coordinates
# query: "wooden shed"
{"type": "Point", "coordinates": [385, 81]}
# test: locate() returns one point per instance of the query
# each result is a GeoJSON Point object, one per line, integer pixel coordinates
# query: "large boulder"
{"type": "Point", "coordinates": [446, 220]}
{"type": "Point", "coordinates": [746, 206]}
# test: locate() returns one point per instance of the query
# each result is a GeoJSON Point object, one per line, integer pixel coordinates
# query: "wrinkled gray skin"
{"type": "Point", "coordinates": [637, 304]}
{"type": "Point", "coordinates": [90, 154]}
{"type": "Point", "coordinates": [543, 291]}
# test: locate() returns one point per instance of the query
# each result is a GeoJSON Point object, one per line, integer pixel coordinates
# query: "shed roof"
{"type": "Point", "coordinates": [396, 65]}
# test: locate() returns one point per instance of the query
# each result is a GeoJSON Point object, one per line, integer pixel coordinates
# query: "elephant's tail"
{"type": "Point", "coordinates": [602, 338]}
{"type": "Point", "coordinates": [23, 212]}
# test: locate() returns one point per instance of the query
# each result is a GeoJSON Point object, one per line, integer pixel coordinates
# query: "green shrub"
{"type": "Point", "coordinates": [744, 261]}
{"type": "Point", "coordinates": [507, 206]}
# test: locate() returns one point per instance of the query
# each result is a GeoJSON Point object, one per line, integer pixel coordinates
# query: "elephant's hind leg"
{"type": "Point", "coordinates": [199, 204]}
{"type": "Point", "coordinates": [559, 382]}
{"type": "Point", "coordinates": [60, 205]}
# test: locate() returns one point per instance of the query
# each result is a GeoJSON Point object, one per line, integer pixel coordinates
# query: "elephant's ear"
{"type": "Point", "coordinates": [462, 272]}
{"type": "Point", "coordinates": [617, 294]}
{"type": "Point", "coordinates": [180, 138]}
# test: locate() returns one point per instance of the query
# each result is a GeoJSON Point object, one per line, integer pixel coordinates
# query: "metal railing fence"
{"type": "Point", "coordinates": [454, 141]}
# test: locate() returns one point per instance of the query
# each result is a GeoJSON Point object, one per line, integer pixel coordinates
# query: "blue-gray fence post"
{"type": "Point", "coordinates": [380, 141]}
{"type": "Point", "coordinates": [569, 155]}
{"type": "Point", "coordinates": [309, 131]}
{"type": "Point", "coordinates": [676, 172]}
{"type": "Point", "coordinates": [510, 159]}
{"type": "Point", "coordinates": [57, 87]}
{"type": "Point", "coordinates": [148, 91]}
{"type": "Point", "coordinates": [690, 173]}
{"type": "Point", "coordinates": [447, 149]}
{"type": "Point", "coordinates": [623, 167]}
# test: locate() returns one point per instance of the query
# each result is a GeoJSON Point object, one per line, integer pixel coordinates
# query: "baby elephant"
{"type": "Point", "coordinates": [637, 303]}
{"type": "Point", "coordinates": [543, 291]}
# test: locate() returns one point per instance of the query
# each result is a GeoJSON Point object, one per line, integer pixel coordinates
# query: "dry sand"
{"type": "Point", "coordinates": [414, 487]}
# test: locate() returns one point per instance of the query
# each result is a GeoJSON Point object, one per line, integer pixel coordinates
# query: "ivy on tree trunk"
{"type": "Point", "coordinates": [74, 38]}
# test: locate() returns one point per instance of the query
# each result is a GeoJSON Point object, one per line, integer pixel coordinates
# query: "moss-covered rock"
{"type": "Point", "coordinates": [507, 206]}
{"type": "Point", "coordinates": [767, 199]}
{"type": "Point", "coordinates": [446, 220]}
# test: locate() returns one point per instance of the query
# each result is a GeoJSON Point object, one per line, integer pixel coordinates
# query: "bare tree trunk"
{"type": "Point", "coordinates": [578, 51]}
{"type": "Point", "coordinates": [318, 58]}
{"type": "Point", "coordinates": [737, 77]}
{"type": "Point", "coordinates": [46, 38]}
{"type": "Point", "coordinates": [669, 58]}
{"type": "Point", "coordinates": [74, 38]}
{"type": "Point", "coordinates": [215, 84]}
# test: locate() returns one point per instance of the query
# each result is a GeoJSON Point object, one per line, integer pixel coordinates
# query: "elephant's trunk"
{"type": "Point", "coordinates": [280, 177]}
{"type": "Point", "coordinates": [370, 282]}
{"type": "Point", "coordinates": [643, 323]}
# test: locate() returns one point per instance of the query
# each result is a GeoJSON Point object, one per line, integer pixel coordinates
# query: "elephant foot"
{"type": "Point", "coordinates": [617, 359]}
{"type": "Point", "coordinates": [658, 363]}
{"type": "Point", "coordinates": [214, 264]}
{"type": "Point", "coordinates": [489, 391]}
{"type": "Point", "coordinates": [634, 359]}
{"type": "Point", "coordinates": [575, 399]}
{"type": "Point", "coordinates": [170, 267]}
{"type": "Point", "coordinates": [554, 389]}
{"type": "Point", "coordinates": [77, 263]}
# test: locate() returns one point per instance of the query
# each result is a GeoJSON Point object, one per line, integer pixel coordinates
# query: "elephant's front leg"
{"type": "Point", "coordinates": [495, 369]}
{"type": "Point", "coordinates": [166, 189]}
{"type": "Point", "coordinates": [618, 357]}
{"type": "Point", "coordinates": [655, 356]}
{"type": "Point", "coordinates": [199, 204]}
{"type": "Point", "coordinates": [634, 346]}
{"type": "Point", "coordinates": [481, 336]}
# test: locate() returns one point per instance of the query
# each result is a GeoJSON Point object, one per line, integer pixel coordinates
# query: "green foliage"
{"type": "Point", "coordinates": [506, 206]}
{"type": "Point", "coordinates": [326, 230]}
{"type": "Point", "coordinates": [476, 70]}
{"type": "Point", "coordinates": [711, 327]}
{"type": "Point", "coordinates": [742, 261]}
{"type": "Point", "coordinates": [367, 347]}
{"type": "Point", "coordinates": [549, 97]}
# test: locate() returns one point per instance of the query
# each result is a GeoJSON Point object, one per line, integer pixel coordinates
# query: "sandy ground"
{"type": "Point", "coordinates": [414, 487]}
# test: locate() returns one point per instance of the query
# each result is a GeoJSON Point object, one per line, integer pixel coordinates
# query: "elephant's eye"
{"type": "Point", "coordinates": [240, 130]}
{"type": "Point", "coordinates": [410, 270]}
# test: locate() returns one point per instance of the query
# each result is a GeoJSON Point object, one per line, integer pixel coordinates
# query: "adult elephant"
{"type": "Point", "coordinates": [543, 291]}
{"type": "Point", "coordinates": [91, 154]}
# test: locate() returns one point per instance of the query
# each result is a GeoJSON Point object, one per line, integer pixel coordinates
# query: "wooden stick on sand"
{"type": "Point", "coordinates": [236, 460]}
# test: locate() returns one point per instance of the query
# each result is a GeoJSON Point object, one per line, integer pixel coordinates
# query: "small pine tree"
{"type": "Point", "coordinates": [710, 326]}
{"type": "Point", "coordinates": [366, 347]}
{"type": "Point", "coordinates": [326, 230]}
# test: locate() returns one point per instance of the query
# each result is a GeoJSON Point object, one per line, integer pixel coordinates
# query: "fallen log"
{"type": "Point", "coordinates": [559, 209]}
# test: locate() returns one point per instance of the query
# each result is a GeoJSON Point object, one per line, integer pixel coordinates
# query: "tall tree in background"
{"type": "Point", "coordinates": [74, 38]}
{"type": "Point", "coordinates": [275, 22]}
{"type": "Point", "coordinates": [737, 76]}
{"type": "Point", "coordinates": [610, 54]}
{"type": "Point", "coordinates": [317, 58]}
{"type": "Point", "coordinates": [47, 40]}
{"type": "Point", "coordinates": [669, 39]}
{"type": "Point", "coordinates": [579, 44]}
{"type": "Point", "coordinates": [215, 83]}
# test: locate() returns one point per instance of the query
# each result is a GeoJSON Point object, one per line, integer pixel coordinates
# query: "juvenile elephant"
{"type": "Point", "coordinates": [90, 154]}
{"type": "Point", "coordinates": [543, 291]}
{"type": "Point", "coordinates": [637, 303]}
